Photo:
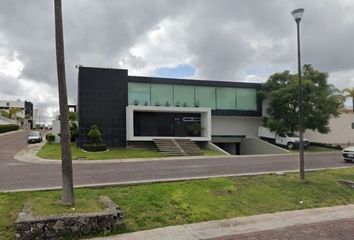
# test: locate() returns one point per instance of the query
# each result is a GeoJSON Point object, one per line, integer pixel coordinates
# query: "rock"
{"type": "Point", "coordinates": [59, 225]}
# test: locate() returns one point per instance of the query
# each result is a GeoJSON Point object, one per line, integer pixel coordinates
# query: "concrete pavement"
{"type": "Point", "coordinates": [265, 226]}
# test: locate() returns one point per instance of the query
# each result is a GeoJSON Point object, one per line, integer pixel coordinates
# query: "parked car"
{"type": "Point", "coordinates": [288, 140]}
{"type": "Point", "coordinates": [34, 137]}
{"type": "Point", "coordinates": [348, 154]}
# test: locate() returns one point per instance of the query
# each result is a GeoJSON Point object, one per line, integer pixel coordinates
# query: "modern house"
{"type": "Point", "coordinates": [25, 112]}
{"type": "Point", "coordinates": [132, 110]}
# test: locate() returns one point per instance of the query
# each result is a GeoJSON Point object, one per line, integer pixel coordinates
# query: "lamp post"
{"type": "Point", "coordinates": [297, 14]}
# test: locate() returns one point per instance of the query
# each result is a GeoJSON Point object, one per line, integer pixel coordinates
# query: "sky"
{"type": "Point", "coordinates": [228, 40]}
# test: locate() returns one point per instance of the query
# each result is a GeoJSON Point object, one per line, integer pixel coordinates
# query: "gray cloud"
{"type": "Point", "coordinates": [221, 39]}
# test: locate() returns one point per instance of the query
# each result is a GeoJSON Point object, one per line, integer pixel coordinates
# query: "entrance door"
{"type": "Point", "coordinates": [179, 126]}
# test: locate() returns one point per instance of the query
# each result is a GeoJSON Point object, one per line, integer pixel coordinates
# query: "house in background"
{"type": "Point", "coordinates": [134, 110]}
{"type": "Point", "coordinates": [342, 131]}
{"type": "Point", "coordinates": [25, 113]}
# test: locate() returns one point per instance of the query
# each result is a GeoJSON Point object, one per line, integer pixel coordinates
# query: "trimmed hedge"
{"type": "Point", "coordinates": [50, 137]}
{"type": "Point", "coordinates": [8, 128]}
{"type": "Point", "coordinates": [94, 147]}
{"type": "Point", "coordinates": [326, 145]}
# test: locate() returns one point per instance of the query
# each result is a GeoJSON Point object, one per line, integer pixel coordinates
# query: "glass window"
{"type": "Point", "coordinates": [246, 99]}
{"type": "Point", "coordinates": [139, 94]}
{"type": "Point", "coordinates": [205, 96]}
{"type": "Point", "coordinates": [183, 95]}
{"type": "Point", "coordinates": [161, 94]}
{"type": "Point", "coordinates": [226, 98]}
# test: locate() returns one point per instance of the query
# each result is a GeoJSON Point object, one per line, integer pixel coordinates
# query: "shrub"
{"type": "Point", "coordinates": [50, 138]}
{"type": "Point", "coordinates": [8, 128]}
{"type": "Point", "coordinates": [94, 147]}
{"type": "Point", "coordinates": [74, 131]}
{"type": "Point", "coordinates": [95, 134]}
{"type": "Point", "coordinates": [326, 145]}
{"type": "Point", "coordinates": [72, 116]}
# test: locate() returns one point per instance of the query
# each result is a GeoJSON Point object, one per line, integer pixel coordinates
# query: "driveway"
{"type": "Point", "coordinates": [16, 175]}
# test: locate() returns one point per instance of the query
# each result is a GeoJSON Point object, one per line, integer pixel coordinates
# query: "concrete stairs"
{"type": "Point", "coordinates": [177, 147]}
{"type": "Point", "coordinates": [189, 147]}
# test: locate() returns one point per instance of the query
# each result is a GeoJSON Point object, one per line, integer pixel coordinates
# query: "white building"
{"type": "Point", "coordinates": [342, 131]}
{"type": "Point", "coordinates": [7, 105]}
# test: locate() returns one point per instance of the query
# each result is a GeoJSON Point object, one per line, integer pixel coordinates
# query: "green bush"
{"type": "Point", "coordinates": [326, 145]}
{"type": "Point", "coordinates": [94, 147]}
{"type": "Point", "coordinates": [74, 131]}
{"type": "Point", "coordinates": [94, 134]}
{"type": "Point", "coordinates": [8, 128]}
{"type": "Point", "coordinates": [50, 137]}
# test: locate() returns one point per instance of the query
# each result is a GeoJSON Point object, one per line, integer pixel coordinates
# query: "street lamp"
{"type": "Point", "coordinates": [297, 14]}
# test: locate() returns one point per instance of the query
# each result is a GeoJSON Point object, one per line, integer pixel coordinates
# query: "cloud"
{"type": "Point", "coordinates": [221, 40]}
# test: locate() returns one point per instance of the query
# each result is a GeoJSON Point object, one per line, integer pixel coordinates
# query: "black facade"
{"type": "Point", "coordinates": [29, 113]}
{"type": "Point", "coordinates": [170, 124]}
{"type": "Point", "coordinates": [102, 98]}
{"type": "Point", "coordinates": [28, 109]}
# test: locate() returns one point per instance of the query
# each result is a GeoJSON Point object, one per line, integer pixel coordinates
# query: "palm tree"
{"type": "Point", "coordinates": [349, 93]}
{"type": "Point", "coordinates": [67, 197]}
{"type": "Point", "coordinates": [13, 112]}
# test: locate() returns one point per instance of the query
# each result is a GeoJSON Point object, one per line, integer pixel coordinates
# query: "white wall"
{"type": "Point", "coordinates": [341, 131]}
{"type": "Point", "coordinates": [56, 130]}
{"type": "Point", "coordinates": [19, 104]}
{"type": "Point", "coordinates": [227, 125]}
{"type": "Point", "coordinates": [14, 104]}
{"type": "Point", "coordinates": [35, 116]}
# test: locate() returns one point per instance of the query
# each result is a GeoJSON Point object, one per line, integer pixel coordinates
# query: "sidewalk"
{"type": "Point", "coordinates": [243, 225]}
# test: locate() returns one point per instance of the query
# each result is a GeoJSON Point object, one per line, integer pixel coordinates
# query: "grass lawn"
{"type": "Point", "coordinates": [43, 205]}
{"type": "Point", "coordinates": [162, 204]}
{"type": "Point", "coordinates": [209, 152]}
{"type": "Point", "coordinates": [53, 151]}
{"type": "Point", "coordinates": [317, 149]}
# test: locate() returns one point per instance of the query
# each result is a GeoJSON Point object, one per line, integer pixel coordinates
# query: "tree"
{"type": "Point", "coordinates": [321, 101]}
{"type": "Point", "coordinates": [349, 93]}
{"type": "Point", "coordinates": [5, 114]}
{"type": "Point", "coordinates": [72, 116]}
{"type": "Point", "coordinates": [13, 112]}
{"type": "Point", "coordinates": [67, 197]}
{"type": "Point", "coordinates": [74, 131]}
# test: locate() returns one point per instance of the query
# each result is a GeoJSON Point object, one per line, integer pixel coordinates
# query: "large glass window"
{"type": "Point", "coordinates": [161, 94]}
{"type": "Point", "coordinates": [139, 94]}
{"type": "Point", "coordinates": [246, 99]}
{"type": "Point", "coordinates": [226, 98]}
{"type": "Point", "coordinates": [205, 96]}
{"type": "Point", "coordinates": [183, 95]}
{"type": "Point", "coordinates": [221, 98]}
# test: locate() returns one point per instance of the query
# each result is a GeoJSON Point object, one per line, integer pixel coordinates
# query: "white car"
{"type": "Point", "coordinates": [34, 137]}
{"type": "Point", "coordinates": [348, 154]}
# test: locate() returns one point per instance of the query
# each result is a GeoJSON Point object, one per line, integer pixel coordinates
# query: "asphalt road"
{"type": "Point", "coordinates": [16, 175]}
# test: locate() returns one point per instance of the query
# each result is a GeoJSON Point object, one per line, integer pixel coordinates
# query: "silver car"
{"type": "Point", "coordinates": [34, 137]}
{"type": "Point", "coordinates": [348, 154]}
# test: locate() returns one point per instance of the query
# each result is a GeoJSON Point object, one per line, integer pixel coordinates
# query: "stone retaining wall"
{"type": "Point", "coordinates": [56, 226]}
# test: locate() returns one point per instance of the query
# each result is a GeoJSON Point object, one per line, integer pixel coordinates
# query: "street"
{"type": "Point", "coordinates": [16, 175]}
